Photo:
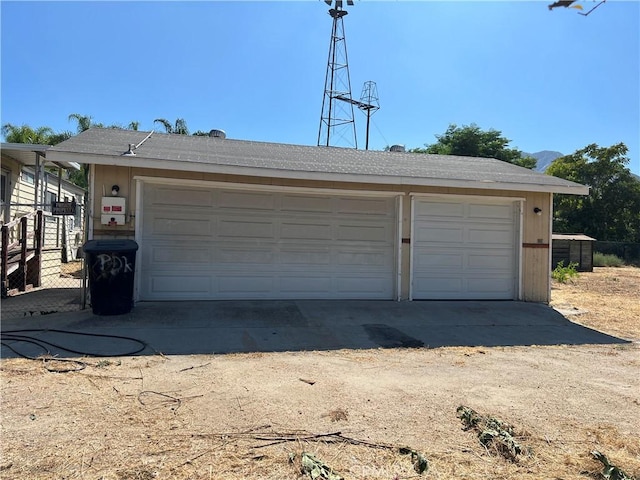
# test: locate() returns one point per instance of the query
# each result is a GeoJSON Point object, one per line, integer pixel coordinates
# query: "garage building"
{"type": "Point", "coordinates": [218, 219]}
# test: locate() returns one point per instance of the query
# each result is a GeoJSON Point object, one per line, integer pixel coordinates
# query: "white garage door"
{"type": "Point", "coordinates": [464, 249]}
{"type": "Point", "coordinates": [206, 243]}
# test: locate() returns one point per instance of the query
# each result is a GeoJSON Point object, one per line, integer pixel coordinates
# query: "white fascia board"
{"type": "Point", "coordinates": [186, 166]}
{"type": "Point", "coordinates": [66, 165]}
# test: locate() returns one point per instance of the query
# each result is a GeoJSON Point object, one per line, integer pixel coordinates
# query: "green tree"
{"type": "Point", "coordinates": [180, 126]}
{"type": "Point", "coordinates": [26, 134]}
{"type": "Point", "coordinates": [84, 122]}
{"type": "Point", "coordinates": [611, 211]}
{"type": "Point", "coordinates": [56, 138]}
{"type": "Point", "coordinates": [471, 141]}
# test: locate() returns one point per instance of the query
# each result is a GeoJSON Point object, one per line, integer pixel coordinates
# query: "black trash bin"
{"type": "Point", "coordinates": [111, 267]}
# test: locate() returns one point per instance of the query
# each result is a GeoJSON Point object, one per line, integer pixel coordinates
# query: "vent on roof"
{"type": "Point", "coordinates": [217, 133]}
{"type": "Point", "coordinates": [396, 148]}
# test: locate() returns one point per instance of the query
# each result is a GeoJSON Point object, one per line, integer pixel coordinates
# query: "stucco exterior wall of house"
{"type": "Point", "coordinates": [536, 233]}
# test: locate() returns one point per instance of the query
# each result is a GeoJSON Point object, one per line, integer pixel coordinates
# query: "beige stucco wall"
{"type": "Point", "coordinates": [535, 228]}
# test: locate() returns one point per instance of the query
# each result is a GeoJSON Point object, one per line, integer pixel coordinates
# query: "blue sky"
{"type": "Point", "coordinates": [549, 80]}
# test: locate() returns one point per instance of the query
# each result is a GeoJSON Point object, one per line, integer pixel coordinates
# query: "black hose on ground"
{"type": "Point", "coordinates": [16, 336]}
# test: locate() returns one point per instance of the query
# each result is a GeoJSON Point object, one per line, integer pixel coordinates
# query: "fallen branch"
{"type": "Point", "coordinates": [168, 398]}
{"type": "Point", "coordinates": [491, 432]}
{"type": "Point", "coordinates": [610, 472]}
{"type": "Point", "coordinates": [195, 366]}
{"type": "Point", "coordinates": [317, 469]}
{"type": "Point", "coordinates": [419, 461]}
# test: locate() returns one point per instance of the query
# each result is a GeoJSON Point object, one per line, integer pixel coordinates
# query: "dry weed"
{"type": "Point", "coordinates": [609, 296]}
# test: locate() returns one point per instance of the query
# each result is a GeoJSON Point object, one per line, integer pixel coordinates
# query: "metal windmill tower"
{"type": "Point", "coordinates": [337, 125]}
{"type": "Point", "coordinates": [368, 103]}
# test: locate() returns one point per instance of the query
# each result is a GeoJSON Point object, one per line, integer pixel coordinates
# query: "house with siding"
{"type": "Point", "coordinates": [30, 182]}
{"type": "Point", "coordinates": [218, 218]}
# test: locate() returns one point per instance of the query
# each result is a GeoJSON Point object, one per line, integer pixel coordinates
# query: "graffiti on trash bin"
{"type": "Point", "coordinates": [111, 265]}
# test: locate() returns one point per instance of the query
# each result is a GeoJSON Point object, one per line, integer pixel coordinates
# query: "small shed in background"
{"type": "Point", "coordinates": [573, 248]}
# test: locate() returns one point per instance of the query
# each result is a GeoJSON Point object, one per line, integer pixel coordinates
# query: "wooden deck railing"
{"type": "Point", "coordinates": [17, 252]}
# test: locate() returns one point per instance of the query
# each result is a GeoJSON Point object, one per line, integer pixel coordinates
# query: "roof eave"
{"type": "Point", "coordinates": [28, 147]}
{"type": "Point", "coordinates": [142, 162]}
{"type": "Point", "coordinates": [23, 149]}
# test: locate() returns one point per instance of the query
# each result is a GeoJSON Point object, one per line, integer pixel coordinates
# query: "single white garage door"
{"type": "Point", "coordinates": [464, 249]}
{"type": "Point", "coordinates": [212, 243]}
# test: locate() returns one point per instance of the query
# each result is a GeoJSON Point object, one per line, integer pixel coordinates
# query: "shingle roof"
{"type": "Point", "coordinates": [572, 236]}
{"type": "Point", "coordinates": [207, 154]}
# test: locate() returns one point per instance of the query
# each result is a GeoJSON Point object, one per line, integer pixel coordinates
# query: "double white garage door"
{"type": "Point", "coordinates": [203, 243]}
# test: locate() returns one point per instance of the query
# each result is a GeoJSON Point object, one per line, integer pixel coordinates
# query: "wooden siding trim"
{"type": "Point", "coordinates": [535, 245]}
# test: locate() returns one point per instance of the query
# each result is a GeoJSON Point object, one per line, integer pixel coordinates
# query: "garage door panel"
{"type": "Point", "coordinates": [490, 211]}
{"type": "Point", "coordinates": [245, 284]}
{"type": "Point", "coordinates": [463, 249]}
{"type": "Point", "coordinates": [173, 225]}
{"type": "Point", "coordinates": [193, 285]}
{"type": "Point", "coordinates": [365, 206]}
{"type": "Point", "coordinates": [437, 233]}
{"type": "Point", "coordinates": [364, 232]}
{"type": "Point", "coordinates": [305, 257]}
{"type": "Point", "coordinates": [380, 258]}
{"type": "Point", "coordinates": [435, 209]}
{"type": "Point", "coordinates": [370, 287]}
{"type": "Point", "coordinates": [438, 286]}
{"type": "Point", "coordinates": [306, 203]}
{"type": "Point", "coordinates": [497, 261]}
{"type": "Point", "coordinates": [495, 236]}
{"type": "Point", "coordinates": [168, 254]}
{"type": "Point", "coordinates": [306, 230]}
{"type": "Point", "coordinates": [439, 259]}
{"type": "Point", "coordinates": [259, 245]}
{"type": "Point", "coordinates": [230, 199]}
{"type": "Point", "coordinates": [481, 287]}
{"type": "Point", "coordinates": [178, 197]}
{"type": "Point", "coordinates": [311, 286]}
{"type": "Point", "coordinates": [238, 256]}
{"type": "Point", "coordinates": [247, 228]}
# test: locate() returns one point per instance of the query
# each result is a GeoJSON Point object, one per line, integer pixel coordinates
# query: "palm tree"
{"type": "Point", "coordinates": [84, 122]}
{"type": "Point", "coordinates": [26, 134]}
{"type": "Point", "coordinates": [180, 126]}
{"type": "Point", "coordinates": [56, 138]}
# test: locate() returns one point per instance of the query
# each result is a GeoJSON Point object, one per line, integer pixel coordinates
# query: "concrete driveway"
{"type": "Point", "coordinates": [182, 328]}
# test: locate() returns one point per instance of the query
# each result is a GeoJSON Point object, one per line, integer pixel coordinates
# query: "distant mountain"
{"type": "Point", "coordinates": [544, 158]}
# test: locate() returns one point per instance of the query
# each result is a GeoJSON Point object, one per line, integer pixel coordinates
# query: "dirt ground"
{"type": "Point", "coordinates": [253, 415]}
{"type": "Point", "coordinates": [607, 299]}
